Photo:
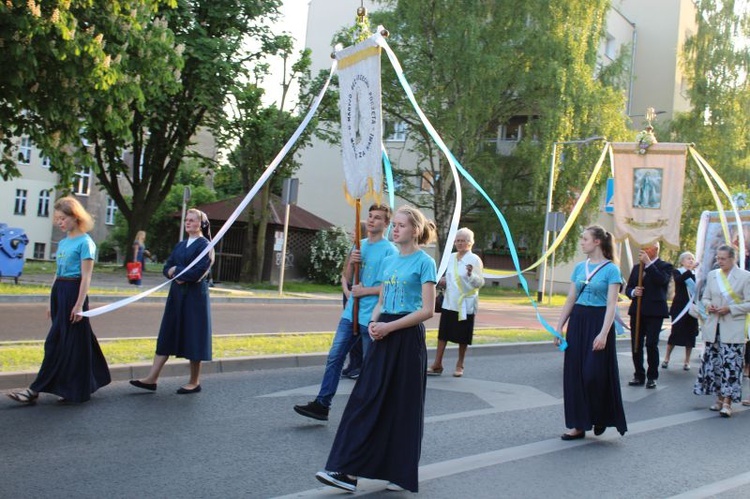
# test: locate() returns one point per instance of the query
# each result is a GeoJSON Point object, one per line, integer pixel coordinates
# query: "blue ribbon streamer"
{"type": "Point", "coordinates": [389, 184]}
{"type": "Point", "coordinates": [514, 254]}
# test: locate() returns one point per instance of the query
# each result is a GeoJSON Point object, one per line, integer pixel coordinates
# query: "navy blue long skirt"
{"type": "Point", "coordinates": [591, 379]}
{"type": "Point", "coordinates": [380, 435]}
{"type": "Point", "coordinates": [74, 366]}
{"type": "Point", "coordinates": [186, 325]}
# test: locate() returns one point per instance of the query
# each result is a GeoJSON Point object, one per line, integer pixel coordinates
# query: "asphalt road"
{"type": "Point", "coordinates": [494, 433]}
{"type": "Point", "coordinates": [28, 321]}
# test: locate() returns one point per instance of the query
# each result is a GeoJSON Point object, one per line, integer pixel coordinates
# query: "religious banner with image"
{"type": "Point", "coordinates": [648, 192]}
{"type": "Point", "coordinates": [361, 121]}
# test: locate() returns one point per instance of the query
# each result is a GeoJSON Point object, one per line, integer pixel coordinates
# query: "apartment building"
{"type": "Point", "coordinates": [27, 201]}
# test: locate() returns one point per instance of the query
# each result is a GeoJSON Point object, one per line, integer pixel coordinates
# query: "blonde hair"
{"type": "Point", "coordinates": [71, 207]}
{"type": "Point", "coordinates": [424, 230]}
{"type": "Point", "coordinates": [140, 236]}
{"type": "Point", "coordinates": [205, 228]}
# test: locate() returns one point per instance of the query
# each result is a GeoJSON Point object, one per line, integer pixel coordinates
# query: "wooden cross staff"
{"type": "Point", "coordinates": [638, 308]}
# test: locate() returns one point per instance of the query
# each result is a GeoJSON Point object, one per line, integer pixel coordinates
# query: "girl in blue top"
{"type": "Point", "coordinates": [74, 366]}
{"type": "Point", "coordinates": [591, 380]}
{"type": "Point", "coordinates": [380, 435]}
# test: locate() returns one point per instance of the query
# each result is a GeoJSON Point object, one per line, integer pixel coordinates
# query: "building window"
{"type": "Point", "coordinates": [24, 151]}
{"type": "Point", "coordinates": [109, 217]}
{"type": "Point", "coordinates": [43, 208]}
{"type": "Point", "coordinates": [511, 132]}
{"type": "Point", "coordinates": [39, 251]}
{"type": "Point", "coordinates": [610, 47]}
{"type": "Point", "coordinates": [45, 161]}
{"type": "Point", "coordinates": [20, 206]}
{"type": "Point", "coordinates": [396, 131]}
{"type": "Point", "coordinates": [82, 183]}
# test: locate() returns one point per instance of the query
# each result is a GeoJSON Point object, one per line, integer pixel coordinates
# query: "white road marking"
{"type": "Point", "coordinates": [493, 458]}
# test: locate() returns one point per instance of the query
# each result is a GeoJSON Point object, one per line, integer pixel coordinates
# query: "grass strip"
{"type": "Point", "coordinates": [27, 355]}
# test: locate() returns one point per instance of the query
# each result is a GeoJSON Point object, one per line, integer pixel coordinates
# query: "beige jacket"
{"type": "Point", "coordinates": [732, 325]}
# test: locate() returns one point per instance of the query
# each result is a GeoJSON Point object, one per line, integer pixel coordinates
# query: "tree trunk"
{"type": "Point", "coordinates": [260, 250]}
{"type": "Point", "coordinates": [246, 272]}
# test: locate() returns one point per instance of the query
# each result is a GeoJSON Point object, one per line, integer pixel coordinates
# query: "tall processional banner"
{"type": "Point", "coordinates": [361, 120]}
{"type": "Point", "coordinates": [648, 192]}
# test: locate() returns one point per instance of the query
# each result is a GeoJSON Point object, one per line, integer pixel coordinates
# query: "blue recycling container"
{"type": "Point", "coordinates": [13, 243]}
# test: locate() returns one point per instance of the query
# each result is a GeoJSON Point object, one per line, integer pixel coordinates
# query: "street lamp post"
{"type": "Point", "coordinates": [547, 222]}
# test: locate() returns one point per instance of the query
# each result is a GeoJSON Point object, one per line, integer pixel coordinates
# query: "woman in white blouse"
{"type": "Point", "coordinates": [462, 281]}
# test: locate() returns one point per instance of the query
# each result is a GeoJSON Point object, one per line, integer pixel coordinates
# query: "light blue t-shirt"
{"type": "Point", "coordinates": [373, 256]}
{"type": "Point", "coordinates": [70, 252]}
{"type": "Point", "coordinates": [402, 278]}
{"type": "Point", "coordinates": [595, 293]}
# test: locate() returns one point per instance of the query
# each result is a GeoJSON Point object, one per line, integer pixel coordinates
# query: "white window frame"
{"type": "Point", "coordinates": [399, 131]}
{"type": "Point", "coordinates": [45, 161]}
{"type": "Point", "coordinates": [82, 184]}
{"type": "Point", "coordinates": [504, 133]}
{"type": "Point", "coordinates": [43, 206]}
{"type": "Point", "coordinates": [24, 151]}
{"type": "Point", "coordinates": [20, 203]}
{"type": "Point", "coordinates": [111, 212]}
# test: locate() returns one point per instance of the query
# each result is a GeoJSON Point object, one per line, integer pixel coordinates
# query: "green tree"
{"type": "Point", "coordinates": [477, 65]}
{"type": "Point", "coordinates": [163, 230]}
{"type": "Point", "coordinates": [716, 61]}
{"type": "Point", "coordinates": [60, 56]}
{"type": "Point", "coordinates": [216, 42]}
{"type": "Point", "coordinates": [256, 133]}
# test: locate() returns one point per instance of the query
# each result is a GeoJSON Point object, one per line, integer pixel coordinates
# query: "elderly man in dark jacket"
{"type": "Point", "coordinates": [653, 293]}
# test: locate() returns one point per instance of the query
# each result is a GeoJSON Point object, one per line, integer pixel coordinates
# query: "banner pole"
{"type": "Point", "coordinates": [355, 277]}
{"type": "Point", "coordinates": [638, 309]}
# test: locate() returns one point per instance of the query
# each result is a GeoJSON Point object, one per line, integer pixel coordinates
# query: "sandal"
{"type": "Point", "coordinates": [26, 397]}
{"type": "Point", "coordinates": [716, 406]}
{"type": "Point", "coordinates": [745, 402]}
{"type": "Point", "coordinates": [665, 364]}
{"type": "Point", "coordinates": [434, 371]}
{"type": "Point", "coordinates": [458, 372]}
{"type": "Point", "coordinates": [726, 411]}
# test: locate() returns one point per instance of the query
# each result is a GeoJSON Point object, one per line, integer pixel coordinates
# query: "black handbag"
{"type": "Point", "coordinates": [439, 301]}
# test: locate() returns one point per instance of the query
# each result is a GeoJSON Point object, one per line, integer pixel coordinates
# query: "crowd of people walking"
{"type": "Point", "coordinates": [390, 289]}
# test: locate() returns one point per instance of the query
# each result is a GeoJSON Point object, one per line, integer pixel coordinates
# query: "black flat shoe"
{"type": "Point", "coordinates": [636, 382]}
{"type": "Point", "coordinates": [598, 430]}
{"type": "Point", "coordinates": [141, 384]}
{"type": "Point", "coordinates": [183, 391]}
{"type": "Point", "coordinates": [568, 436]}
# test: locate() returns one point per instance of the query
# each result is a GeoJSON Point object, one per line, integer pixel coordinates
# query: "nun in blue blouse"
{"type": "Point", "coordinates": [186, 326]}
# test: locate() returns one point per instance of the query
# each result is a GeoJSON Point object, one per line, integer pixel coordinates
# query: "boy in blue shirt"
{"type": "Point", "coordinates": [374, 249]}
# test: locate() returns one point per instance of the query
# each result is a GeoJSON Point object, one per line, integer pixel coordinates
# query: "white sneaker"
{"type": "Point", "coordinates": [393, 487]}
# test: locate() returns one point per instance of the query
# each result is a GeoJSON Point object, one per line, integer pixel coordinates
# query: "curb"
{"type": "Point", "coordinates": [124, 372]}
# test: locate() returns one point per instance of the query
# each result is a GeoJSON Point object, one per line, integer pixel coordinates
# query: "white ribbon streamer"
{"type": "Point", "coordinates": [439, 141]}
{"type": "Point", "coordinates": [233, 217]}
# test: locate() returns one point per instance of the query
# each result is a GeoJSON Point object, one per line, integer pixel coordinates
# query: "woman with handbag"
{"type": "Point", "coordinates": [74, 366]}
{"type": "Point", "coordinates": [186, 325]}
{"type": "Point", "coordinates": [462, 281]}
{"type": "Point", "coordinates": [591, 378]}
{"type": "Point", "coordinates": [139, 258]}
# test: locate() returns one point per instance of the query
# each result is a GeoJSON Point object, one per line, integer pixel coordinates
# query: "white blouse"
{"type": "Point", "coordinates": [461, 293]}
